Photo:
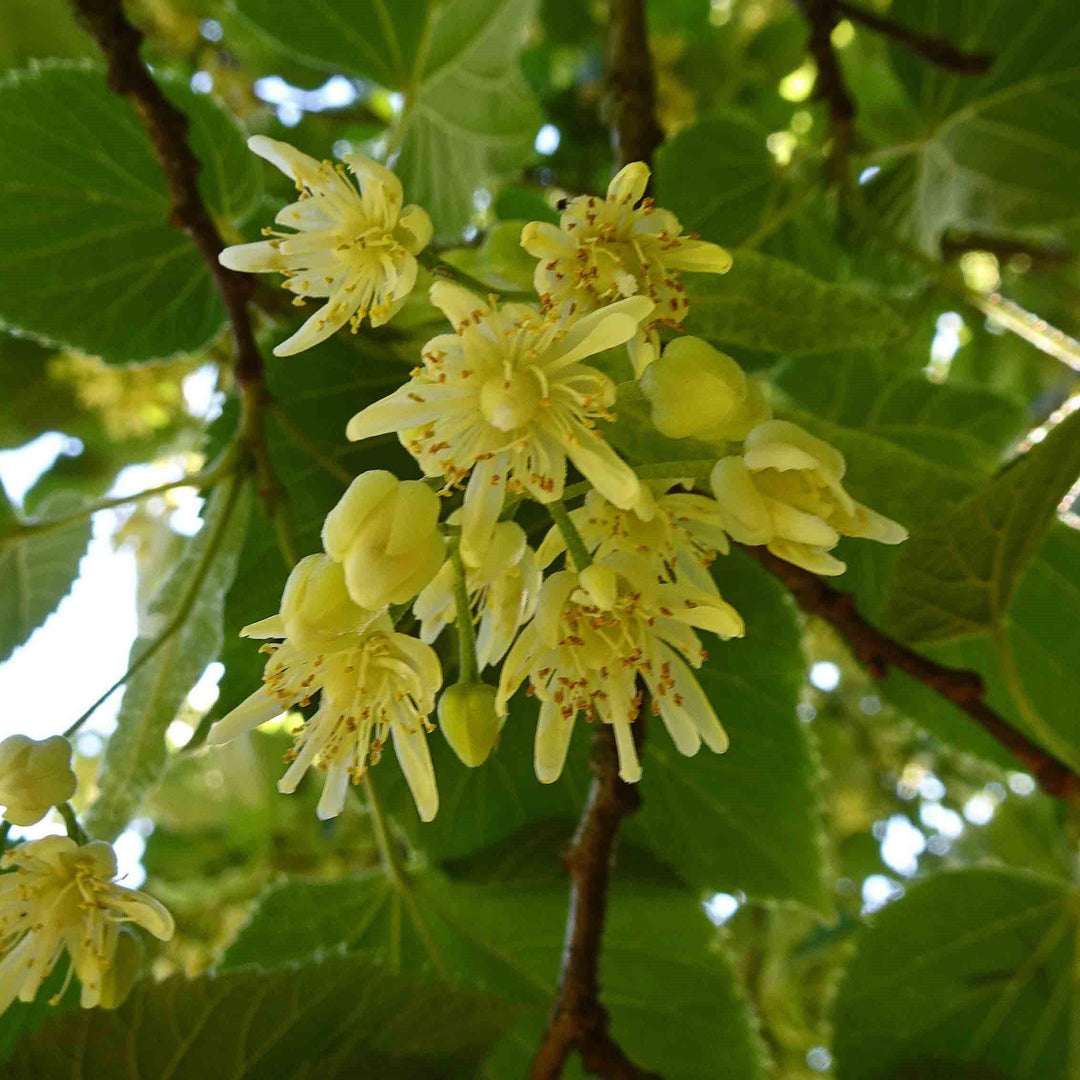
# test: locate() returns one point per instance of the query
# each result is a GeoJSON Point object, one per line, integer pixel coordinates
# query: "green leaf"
{"type": "Point", "coordinates": [973, 968]}
{"type": "Point", "coordinates": [468, 115]}
{"type": "Point", "coordinates": [337, 1019]}
{"type": "Point", "coordinates": [1001, 149]}
{"type": "Point", "coordinates": [957, 576]}
{"type": "Point", "coordinates": [87, 252]}
{"type": "Point", "coordinates": [718, 177]}
{"type": "Point", "coordinates": [473, 934]}
{"type": "Point", "coordinates": [193, 593]}
{"type": "Point", "coordinates": [37, 569]}
{"type": "Point", "coordinates": [499, 260]}
{"type": "Point", "coordinates": [770, 305]}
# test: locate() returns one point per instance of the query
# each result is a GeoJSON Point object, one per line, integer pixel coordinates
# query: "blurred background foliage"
{"type": "Point", "coordinates": [824, 884]}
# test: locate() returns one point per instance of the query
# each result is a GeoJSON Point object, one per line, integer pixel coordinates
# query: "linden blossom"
{"type": "Point", "coordinates": [678, 533]}
{"type": "Point", "coordinates": [375, 684]}
{"type": "Point", "coordinates": [622, 245]}
{"type": "Point", "coordinates": [785, 491]}
{"type": "Point", "coordinates": [594, 633]}
{"type": "Point", "coordinates": [355, 248]}
{"type": "Point", "coordinates": [505, 401]}
{"type": "Point", "coordinates": [503, 583]}
{"type": "Point", "coordinates": [57, 895]}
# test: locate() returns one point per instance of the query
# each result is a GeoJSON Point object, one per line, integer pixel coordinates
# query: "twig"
{"type": "Point", "coordinates": [167, 128]}
{"type": "Point", "coordinates": [822, 17]}
{"type": "Point", "coordinates": [578, 1020]}
{"type": "Point", "coordinates": [878, 652]}
{"type": "Point", "coordinates": [937, 50]}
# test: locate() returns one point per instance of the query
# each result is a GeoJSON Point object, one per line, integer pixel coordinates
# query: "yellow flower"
{"type": "Point", "coordinates": [697, 391]}
{"type": "Point", "coordinates": [678, 533]}
{"type": "Point", "coordinates": [385, 533]}
{"type": "Point", "coordinates": [622, 245]}
{"type": "Point", "coordinates": [355, 248]}
{"type": "Point", "coordinates": [374, 682]}
{"type": "Point", "coordinates": [60, 895]}
{"type": "Point", "coordinates": [785, 491]}
{"type": "Point", "coordinates": [594, 633]}
{"type": "Point", "coordinates": [34, 777]}
{"type": "Point", "coordinates": [503, 582]}
{"type": "Point", "coordinates": [505, 401]}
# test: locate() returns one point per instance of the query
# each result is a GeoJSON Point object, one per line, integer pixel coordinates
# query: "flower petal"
{"type": "Point", "coordinates": [552, 742]}
{"type": "Point", "coordinates": [629, 183]}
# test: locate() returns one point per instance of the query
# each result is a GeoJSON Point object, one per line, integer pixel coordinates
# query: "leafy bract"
{"type": "Point", "coordinates": [87, 251]}
{"type": "Point", "coordinates": [188, 609]}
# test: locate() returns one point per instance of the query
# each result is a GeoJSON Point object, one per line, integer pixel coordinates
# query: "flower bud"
{"type": "Point", "coordinates": [696, 390]}
{"type": "Point", "coordinates": [468, 720]}
{"type": "Point", "coordinates": [316, 607]}
{"type": "Point", "coordinates": [34, 777]}
{"type": "Point", "coordinates": [785, 491]}
{"type": "Point", "coordinates": [120, 976]}
{"type": "Point", "coordinates": [385, 533]}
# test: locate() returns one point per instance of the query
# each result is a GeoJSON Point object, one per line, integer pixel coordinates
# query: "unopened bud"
{"type": "Point", "coordinates": [698, 391]}
{"type": "Point", "coordinates": [34, 777]}
{"type": "Point", "coordinates": [316, 607]}
{"type": "Point", "coordinates": [469, 721]}
{"type": "Point", "coordinates": [121, 974]}
{"type": "Point", "coordinates": [385, 533]}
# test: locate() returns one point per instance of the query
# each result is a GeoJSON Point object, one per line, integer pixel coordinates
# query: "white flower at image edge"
{"type": "Point", "coordinates": [593, 634]}
{"type": "Point", "coordinates": [376, 684]}
{"type": "Point", "coordinates": [356, 249]}
{"type": "Point", "coordinates": [60, 895]}
{"type": "Point", "coordinates": [505, 401]}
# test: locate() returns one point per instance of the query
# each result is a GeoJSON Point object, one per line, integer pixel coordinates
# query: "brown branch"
{"type": "Point", "coordinates": [822, 17]}
{"type": "Point", "coordinates": [630, 83]}
{"type": "Point", "coordinates": [937, 50]}
{"type": "Point", "coordinates": [878, 652]}
{"type": "Point", "coordinates": [579, 1022]}
{"type": "Point", "coordinates": [167, 127]}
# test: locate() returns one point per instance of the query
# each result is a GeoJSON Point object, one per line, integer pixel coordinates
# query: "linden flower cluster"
{"type": "Point", "coordinates": [502, 406]}
{"type": "Point", "coordinates": [57, 894]}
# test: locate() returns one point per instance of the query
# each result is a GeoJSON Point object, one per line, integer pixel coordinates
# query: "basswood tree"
{"type": "Point", "coordinates": [652, 493]}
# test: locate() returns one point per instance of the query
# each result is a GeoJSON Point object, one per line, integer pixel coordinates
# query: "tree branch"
{"type": "Point", "coordinates": [937, 50]}
{"type": "Point", "coordinates": [822, 17]}
{"type": "Point", "coordinates": [878, 652]}
{"type": "Point", "coordinates": [167, 127]}
{"type": "Point", "coordinates": [578, 1020]}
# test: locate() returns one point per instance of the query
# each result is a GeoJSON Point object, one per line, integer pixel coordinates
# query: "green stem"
{"type": "Point", "coordinates": [200, 479]}
{"type": "Point", "coordinates": [71, 823]}
{"type": "Point", "coordinates": [388, 852]}
{"type": "Point", "coordinates": [579, 553]}
{"type": "Point", "coordinates": [467, 665]}
{"type": "Point", "coordinates": [183, 609]}
{"type": "Point", "coordinates": [442, 269]}
{"type": "Point", "coordinates": [5, 828]}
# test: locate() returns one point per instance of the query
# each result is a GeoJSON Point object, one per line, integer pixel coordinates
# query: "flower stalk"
{"type": "Point", "coordinates": [466, 631]}
{"type": "Point", "coordinates": [579, 554]}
